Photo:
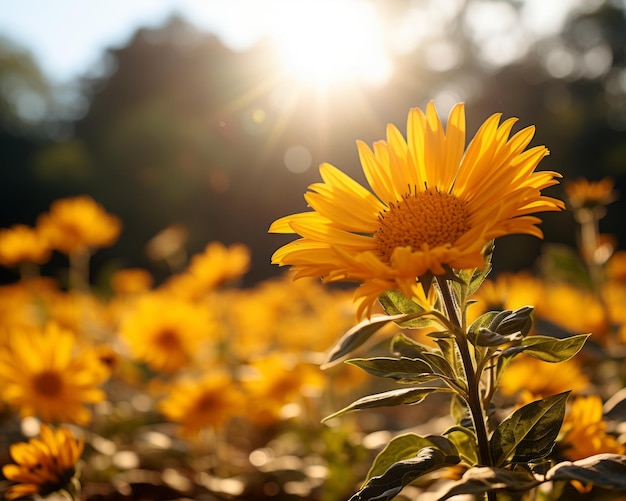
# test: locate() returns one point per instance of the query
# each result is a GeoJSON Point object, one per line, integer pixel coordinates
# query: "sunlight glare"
{"type": "Point", "coordinates": [325, 42]}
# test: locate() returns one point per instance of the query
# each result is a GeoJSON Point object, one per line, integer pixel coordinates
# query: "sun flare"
{"type": "Point", "coordinates": [325, 43]}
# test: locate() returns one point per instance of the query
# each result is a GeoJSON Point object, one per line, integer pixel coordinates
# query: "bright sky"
{"type": "Point", "coordinates": [67, 37]}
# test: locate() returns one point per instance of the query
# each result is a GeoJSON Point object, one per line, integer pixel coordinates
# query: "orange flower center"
{"type": "Point", "coordinates": [168, 339]}
{"type": "Point", "coordinates": [208, 403]}
{"type": "Point", "coordinates": [423, 218]}
{"type": "Point", "coordinates": [48, 384]}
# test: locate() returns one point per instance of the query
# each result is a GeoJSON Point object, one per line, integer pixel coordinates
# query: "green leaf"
{"type": "Point", "coordinates": [496, 328]}
{"type": "Point", "coordinates": [402, 370]}
{"type": "Point", "coordinates": [605, 470]}
{"type": "Point", "coordinates": [396, 303]}
{"type": "Point", "coordinates": [483, 479]}
{"type": "Point", "coordinates": [439, 364]}
{"type": "Point", "coordinates": [407, 446]}
{"type": "Point", "coordinates": [484, 321]}
{"type": "Point", "coordinates": [550, 349]}
{"type": "Point", "coordinates": [465, 442]}
{"type": "Point", "coordinates": [387, 486]}
{"type": "Point", "coordinates": [517, 321]}
{"type": "Point", "coordinates": [459, 410]}
{"type": "Point", "coordinates": [437, 359]}
{"type": "Point", "coordinates": [359, 334]}
{"type": "Point", "coordinates": [403, 345]}
{"type": "Point", "coordinates": [449, 351]}
{"type": "Point", "coordinates": [405, 396]}
{"type": "Point", "coordinates": [529, 433]}
{"type": "Point", "coordinates": [489, 338]}
{"type": "Point", "coordinates": [476, 277]}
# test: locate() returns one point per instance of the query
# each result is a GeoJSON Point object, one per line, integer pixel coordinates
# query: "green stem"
{"type": "Point", "coordinates": [473, 381]}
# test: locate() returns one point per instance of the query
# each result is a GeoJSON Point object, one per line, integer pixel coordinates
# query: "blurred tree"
{"type": "Point", "coordinates": [185, 131]}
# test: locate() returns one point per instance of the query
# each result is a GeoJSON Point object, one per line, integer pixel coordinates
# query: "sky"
{"type": "Point", "coordinates": [68, 37]}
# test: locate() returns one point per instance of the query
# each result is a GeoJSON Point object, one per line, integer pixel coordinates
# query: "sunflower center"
{"type": "Point", "coordinates": [207, 403]}
{"type": "Point", "coordinates": [427, 217]}
{"type": "Point", "coordinates": [168, 339]}
{"type": "Point", "coordinates": [48, 384]}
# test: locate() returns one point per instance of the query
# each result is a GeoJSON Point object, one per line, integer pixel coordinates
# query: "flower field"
{"type": "Point", "coordinates": [511, 386]}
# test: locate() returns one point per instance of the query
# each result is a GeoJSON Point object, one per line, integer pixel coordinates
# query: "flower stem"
{"type": "Point", "coordinates": [473, 393]}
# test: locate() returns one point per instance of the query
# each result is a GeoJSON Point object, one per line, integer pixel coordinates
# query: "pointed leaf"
{"type": "Point", "coordinates": [405, 396]}
{"type": "Point", "coordinates": [606, 470]}
{"type": "Point", "coordinates": [407, 446]}
{"type": "Point", "coordinates": [387, 486]}
{"type": "Point", "coordinates": [403, 370]}
{"type": "Point", "coordinates": [489, 338]}
{"type": "Point", "coordinates": [396, 303]}
{"type": "Point", "coordinates": [517, 321]}
{"type": "Point", "coordinates": [483, 479]}
{"type": "Point", "coordinates": [403, 345]}
{"type": "Point", "coordinates": [553, 350]}
{"type": "Point", "coordinates": [475, 278]}
{"type": "Point", "coordinates": [465, 442]}
{"type": "Point", "coordinates": [359, 334]}
{"type": "Point", "coordinates": [529, 433]}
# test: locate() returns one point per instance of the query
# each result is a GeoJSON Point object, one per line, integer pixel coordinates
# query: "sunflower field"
{"type": "Point", "coordinates": [422, 377]}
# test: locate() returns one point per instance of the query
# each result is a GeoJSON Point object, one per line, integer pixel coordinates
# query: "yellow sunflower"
{"type": "Point", "coordinates": [78, 224]}
{"type": "Point", "coordinates": [207, 402]}
{"type": "Point", "coordinates": [43, 374]}
{"type": "Point", "coordinates": [434, 205]}
{"type": "Point", "coordinates": [43, 465]}
{"type": "Point", "coordinates": [583, 193]}
{"type": "Point", "coordinates": [215, 266]}
{"type": "Point", "coordinates": [22, 244]}
{"type": "Point", "coordinates": [584, 430]}
{"type": "Point", "coordinates": [166, 332]}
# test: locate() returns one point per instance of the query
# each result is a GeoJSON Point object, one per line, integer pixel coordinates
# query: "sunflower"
{"type": "Point", "coordinates": [434, 205]}
{"type": "Point", "coordinates": [584, 430]}
{"type": "Point", "coordinates": [43, 374]}
{"type": "Point", "coordinates": [215, 266]}
{"type": "Point", "coordinates": [21, 244]}
{"type": "Point", "coordinates": [278, 380]}
{"type": "Point", "coordinates": [585, 194]}
{"type": "Point", "coordinates": [43, 465]}
{"type": "Point", "coordinates": [207, 402]}
{"type": "Point", "coordinates": [78, 224]}
{"type": "Point", "coordinates": [165, 331]}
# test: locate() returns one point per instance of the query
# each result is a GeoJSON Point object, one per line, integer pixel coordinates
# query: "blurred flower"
{"type": "Point", "coordinates": [21, 303]}
{"type": "Point", "coordinates": [43, 374]}
{"type": "Point", "coordinates": [531, 378]}
{"type": "Point", "coordinates": [508, 291]}
{"type": "Point", "coordinates": [208, 402]}
{"type": "Point", "coordinates": [22, 244]}
{"type": "Point", "coordinates": [583, 193]}
{"type": "Point", "coordinates": [216, 265]}
{"type": "Point", "coordinates": [78, 224]}
{"type": "Point", "coordinates": [75, 310]}
{"type": "Point", "coordinates": [616, 267]}
{"type": "Point", "coordinates": [165, 331]}
{"type": "Point", "coordinates": [131, 281]}
{"type": "Point", "coordinates": [267, 316]}
{"type": "Point", "coordinates": [43, 465]}
{"type": "Point", "coordinates": [435, 205]}
{"type": "Point", "coordinates": [278, 380]}
{"type": "Point", "coordinates": [584, 430]}
{"type": "Point", "coordinates": [572, 308]}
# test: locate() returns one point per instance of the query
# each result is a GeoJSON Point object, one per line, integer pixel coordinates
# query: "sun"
{"type": "Point", "coordinates": [324, 43]}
